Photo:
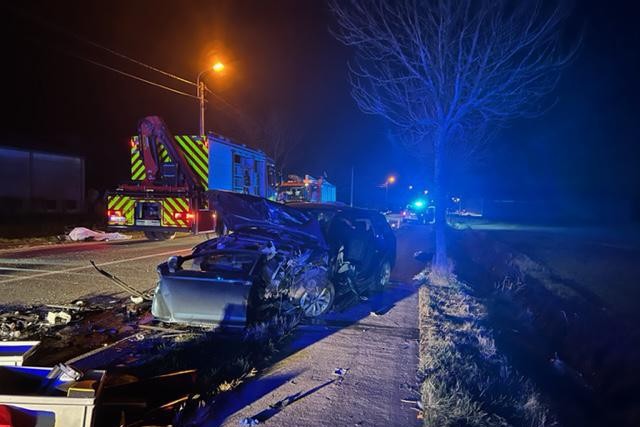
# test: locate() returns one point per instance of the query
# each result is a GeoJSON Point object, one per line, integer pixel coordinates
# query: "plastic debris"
{"type": "Point", "coordinates": [249, 422]}
{"type": "Point", "coordinates": [65, 373]}
{"type": "Point", "coordinates": [80, 234]}
{"type": "Point", "coordinates": [136, 299]}
{"type": "Point", "coordinates": [58, 317]}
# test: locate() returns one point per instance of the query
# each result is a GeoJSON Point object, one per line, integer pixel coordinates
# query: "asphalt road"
{"type": "Point", "coordinates": [59, 274]}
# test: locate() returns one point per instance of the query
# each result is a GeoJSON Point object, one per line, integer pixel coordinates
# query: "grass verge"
{"type": "Point", "coordinates": [467, 382]}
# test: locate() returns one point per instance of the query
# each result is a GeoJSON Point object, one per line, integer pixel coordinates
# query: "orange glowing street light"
{"type": "Point", "coordinates": [391, 179]}
{"type": "Point", "coordinates": [216, 68]}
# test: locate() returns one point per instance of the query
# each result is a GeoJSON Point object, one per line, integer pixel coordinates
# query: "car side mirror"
{"type": "Point", "coordinates": [174, 263]}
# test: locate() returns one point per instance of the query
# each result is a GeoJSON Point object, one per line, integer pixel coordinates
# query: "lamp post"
{"type": "Point", "coordinates": [217, 67]}
{"type": "Point", "coordinates": [390, 180]}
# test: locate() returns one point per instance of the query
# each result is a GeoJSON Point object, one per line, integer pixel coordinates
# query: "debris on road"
{"type": "Point", "coordinates": [82, 234]}
{"type": "Point", "coordinates": [58, 317]}
{"type": "Point", "coordinates": [16, 324]}
{"type": "Point", "coordinates": [121, 284]}
{"type": "Point", "coordinates": [341, 372]}
{"type": "Point", "coordinates": [249, 422]}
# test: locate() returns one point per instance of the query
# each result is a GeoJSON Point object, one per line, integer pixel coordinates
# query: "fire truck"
{"type": "Point", "coordinates": [170, 175]}
{"type": "Point", "coordinates": [307, 189]}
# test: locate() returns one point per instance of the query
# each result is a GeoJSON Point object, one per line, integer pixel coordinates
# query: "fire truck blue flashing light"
{"type": "Point", "coordinates": [419, 204]}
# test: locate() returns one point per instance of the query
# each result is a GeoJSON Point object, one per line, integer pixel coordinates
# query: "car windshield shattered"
{"type": "Point", "coordinates": [238, 211]}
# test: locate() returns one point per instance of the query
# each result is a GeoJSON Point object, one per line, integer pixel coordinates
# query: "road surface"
{"type": "Point", "coordinates": [59, 274]}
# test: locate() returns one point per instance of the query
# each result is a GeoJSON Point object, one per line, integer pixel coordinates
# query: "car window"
{"type": "Point", "coordinates": [363, 224]}
{"type": "Point", "coordinates": [380, 224]}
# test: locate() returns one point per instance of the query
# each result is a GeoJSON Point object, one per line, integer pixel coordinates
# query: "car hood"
{"type": "Point", "coordinates": [242, 213]}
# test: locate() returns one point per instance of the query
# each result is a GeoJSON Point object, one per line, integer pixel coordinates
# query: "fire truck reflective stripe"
{"type": "Point", "coordinates": [121, 203]}
{"type": "Point", "coordinates": [139, 174]}
{"type": "Point", "coordinates": [164, 154]}
{"type": "Point", "coordinates": [135, 157]}
{"type": "Point", "coordinates": [137, 166]}
{"type": "Point", "coordinates": [198, 148]}
{"type": "Point", "coordinates": [113, 201]}
{"type": "Point", "coordinates": [127, 211]}
{"type": "Point", "coordinates": [194, 161]}
{"type": "Point", "coordinates": [167, 219]}
{"type": "Point", "coordinates": [184, 203]}
{"type": "Point", "coordinates": [168, 210]}
{"type": "Point", "coordinates": [192, 151]}
{"type": "Point", "coordinates": [174, 205]}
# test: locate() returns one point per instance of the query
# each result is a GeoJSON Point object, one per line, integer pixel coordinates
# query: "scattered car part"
{"type": "Point", "coordinates": [58, 317]}
{"type": "Point", "coordinates": [121, 284]}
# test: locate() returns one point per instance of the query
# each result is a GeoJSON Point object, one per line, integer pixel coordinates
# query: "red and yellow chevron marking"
{"type": "Point", "coordinates": [124, 204]}
{"type": "Point", "coordinates": [171, 206]}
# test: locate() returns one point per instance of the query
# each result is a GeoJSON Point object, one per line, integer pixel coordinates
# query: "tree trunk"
{"type": "Point", "coordinates": [440, 263]}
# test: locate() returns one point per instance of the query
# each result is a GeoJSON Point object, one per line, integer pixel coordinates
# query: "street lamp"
{"type": "Point", "coordinates": [217, 67]}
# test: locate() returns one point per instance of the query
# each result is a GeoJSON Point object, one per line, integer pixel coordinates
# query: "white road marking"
{"type": "Point", "coordinates": [69, 270]}
{"type": "Point", "coordinates": [26, 269]}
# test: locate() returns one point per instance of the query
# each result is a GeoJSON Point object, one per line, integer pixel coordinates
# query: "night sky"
{"type": "Point", "coordinates": [282, 59]}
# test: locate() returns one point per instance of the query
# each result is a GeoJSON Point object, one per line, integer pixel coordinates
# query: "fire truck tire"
{"type": "Point", "coordinates": [159, 235]}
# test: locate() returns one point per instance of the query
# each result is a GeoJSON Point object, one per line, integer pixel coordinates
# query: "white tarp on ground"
{"type": "Point", "coordinates": [81, 233]}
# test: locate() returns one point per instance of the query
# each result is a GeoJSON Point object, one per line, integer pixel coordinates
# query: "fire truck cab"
{"type": "Point", "coordinates": [307, 189]}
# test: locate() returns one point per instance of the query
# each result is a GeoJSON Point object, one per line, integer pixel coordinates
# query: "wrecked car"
{"type": "Point", "coordinates": [274, 258]}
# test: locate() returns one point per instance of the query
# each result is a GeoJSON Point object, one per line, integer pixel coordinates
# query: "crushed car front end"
{"type": "Point", "coordinates": [273, 259]}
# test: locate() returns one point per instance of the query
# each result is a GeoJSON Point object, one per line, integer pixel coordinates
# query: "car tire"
{"type": "Point", "coordinates": [382, 277]}
{"type": "Point", "coordinates": [317, 301]}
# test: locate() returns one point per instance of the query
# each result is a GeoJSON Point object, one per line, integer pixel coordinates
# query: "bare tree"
{"type": "Point", "coordinates": [445, 72]}
{"type": "Point", "coordinates": [279, 139]}
{"type": "Point", "coordinates": [274, 134]}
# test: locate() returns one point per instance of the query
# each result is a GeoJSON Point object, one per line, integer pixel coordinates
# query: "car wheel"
{"type": "Point", "coordinates": [382, 278]}
{"type": "Point", "coordinates": [316, 300]}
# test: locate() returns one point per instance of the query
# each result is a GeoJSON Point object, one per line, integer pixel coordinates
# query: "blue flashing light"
{"type": "Point", "coordinates": [419, 204]}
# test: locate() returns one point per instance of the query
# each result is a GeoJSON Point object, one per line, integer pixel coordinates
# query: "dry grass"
{"type": "Point", "coordinates": [466, 381]}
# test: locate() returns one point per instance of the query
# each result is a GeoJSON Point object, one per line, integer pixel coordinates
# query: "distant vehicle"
{"type": "Point", "coordinates": [170, 176]}
{"type": "Point", "coordinates": [307, 189]}
{"type": "Point", "coordinates": [420, 211]}
{"type": "Point", "coordinates": [274, 259]}
{"type": "Point", "coordinates": [394, 218]}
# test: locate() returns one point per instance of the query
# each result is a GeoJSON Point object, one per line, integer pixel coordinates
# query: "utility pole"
{"type": "Point", "coordinates": [201, 99]}
{"type": "Point", "coordinates": [217, 67]}
{"type": "Point", "coordinates": [386, 195]}
{"type": "Point", "coordinates": [351, 200]}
